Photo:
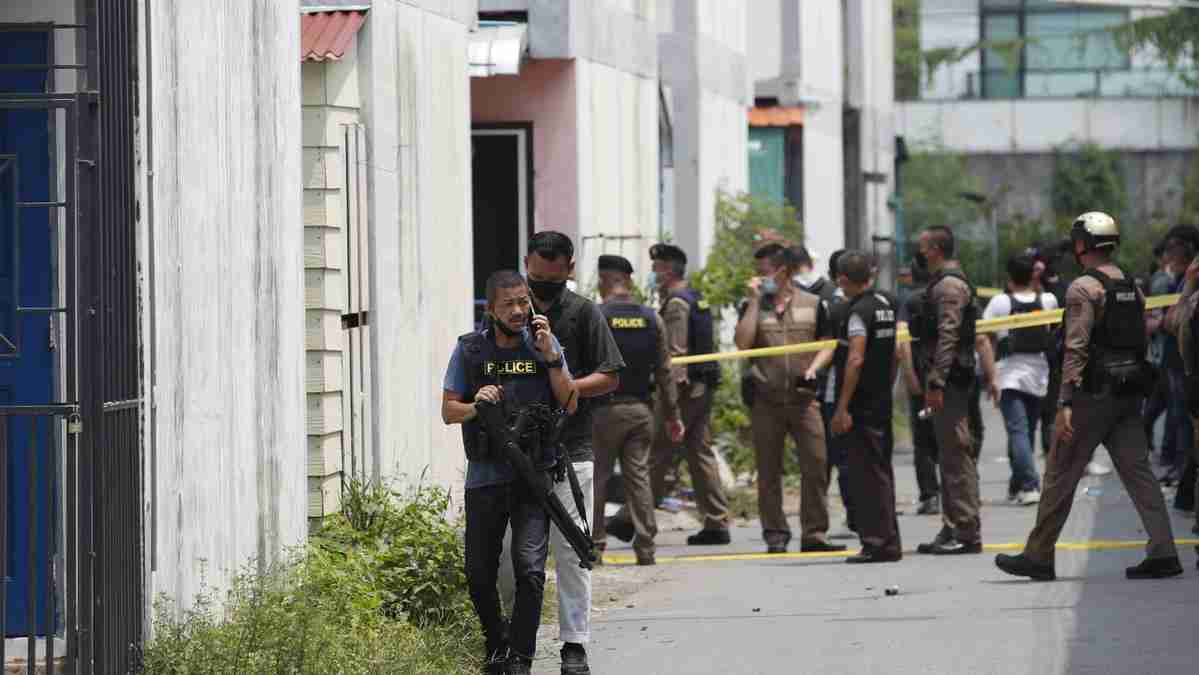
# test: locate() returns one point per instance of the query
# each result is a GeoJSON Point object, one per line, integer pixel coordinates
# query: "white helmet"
{"type": "Point", "coordinates": [1095, 229]}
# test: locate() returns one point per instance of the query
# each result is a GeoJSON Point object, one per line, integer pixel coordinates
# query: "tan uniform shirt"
{"type": "Point", "coordinates": [951, 297]}
{"type": "Point", "coordinates": [668, 391]}
{"type": "Point", "coordinates": [1084, 308]}
{"type": "Point", "coordinates": [799, 322]}
{"type": "Point", "coordinates": [675, 315]}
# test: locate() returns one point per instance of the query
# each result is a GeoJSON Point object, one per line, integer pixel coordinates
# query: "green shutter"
{"type": "Point", "coordinates": [767, 163]}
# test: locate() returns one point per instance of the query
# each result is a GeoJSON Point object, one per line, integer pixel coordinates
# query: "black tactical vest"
{"type": "Point", "coordinates": [635, 329]}
{"type": "Point", "coordinates": [925, 326]}
{"type": "Point", "coordinates": [872, 398]}
{"type": "Point", "coordinates": [525, 380]}
{"type": "Point", "coordinates": [1035, 340]}
{"type": "Point", "coordinates": [1116, 355]}
{"type": "Point", "coordinates": [700, 335]}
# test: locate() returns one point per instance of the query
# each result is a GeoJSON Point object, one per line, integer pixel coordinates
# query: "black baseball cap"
{"type": "Point", "coordinates": [615, 263]}
{"type": "Point", "coordinates": [667, 252]}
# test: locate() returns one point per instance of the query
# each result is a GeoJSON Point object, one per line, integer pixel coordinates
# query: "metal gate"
{"type": "Point", "coordinates": [79, 525]}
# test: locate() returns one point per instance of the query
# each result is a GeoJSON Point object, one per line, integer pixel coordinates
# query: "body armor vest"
{"type": "Point", "coordinates": [525, 380]}
{"type": "Point", "coordinates": [700, 338]}
{"type": "Point", "coordinates": [1116, 355]}
{"type": "Point", "coordinates": [635, 329]}
{"type": "Point", "coordinates": [1035, 340]}
{"type": "Point", "coordinates": [925, 327]}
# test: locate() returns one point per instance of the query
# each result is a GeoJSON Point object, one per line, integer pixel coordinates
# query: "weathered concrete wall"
{"type": "Point", "coordinates": [221, 193]}
{"type": "Point", "coordinates": [416, 107]}
{"type": "Point", "coordinates": [1153, 181]}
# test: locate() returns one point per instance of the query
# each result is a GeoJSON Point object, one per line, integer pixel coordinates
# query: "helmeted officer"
{"type": "Point", "coordinates": [866, 370]}
{"type": "Point", "coordinates": [689, 330]}
{"type": "Point", "coordinates": [1103, 380]}
{"type": "Point", "coordinates": [623, 427]}
{"type": "Point", "coordinates": [785, 398]}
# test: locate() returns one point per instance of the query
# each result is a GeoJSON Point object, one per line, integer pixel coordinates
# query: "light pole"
{"type": "Point", "coordinates": [988, 208]}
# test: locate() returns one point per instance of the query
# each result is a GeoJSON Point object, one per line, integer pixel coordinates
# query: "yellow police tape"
{"type": "Point", "coordinates": [1026, 320]}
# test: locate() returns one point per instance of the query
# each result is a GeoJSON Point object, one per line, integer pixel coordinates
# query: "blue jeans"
{"type": "Point", "coordinates": [1021, 412]}
{"type": "Point", "coordinates": [1180, 433]}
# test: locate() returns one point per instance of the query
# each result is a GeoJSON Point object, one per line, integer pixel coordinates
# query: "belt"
{"type": "Point", "coordinates": [615, 399]}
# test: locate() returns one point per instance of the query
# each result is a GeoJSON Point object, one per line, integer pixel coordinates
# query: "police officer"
{"type": "Point", "coordinates": [595, 362]}
{"type": "Point", "coordinates": [519, 361]}
{"type": "Point", "coordinates": [785, 398]}
{"type": "Point", "coordinates": [944, 329]}
{"type": "Point", "coordinates": [866, 372]}
{"type": "Point", "coordinates": [688, 320]}
{"type": "Point", "coordinates": [1183, 321]}
{"type": "Point", "coordinates": [1103, 379]}
{"type": "Point", "coordinates": [924, 438]}
{"type": "Point", "coordinates": [623, 424]}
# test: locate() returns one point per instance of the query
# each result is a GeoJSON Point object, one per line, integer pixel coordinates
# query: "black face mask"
{"type": "Point", "coordinates": [547, 291]}
{"type": "Point", "coordinates": [503, 328]}
{"type": "Point", "coordinates": [920, 259]}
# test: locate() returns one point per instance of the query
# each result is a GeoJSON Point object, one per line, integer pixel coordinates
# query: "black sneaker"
{"type": "Point", "coordinates": [955, 547]}
{"type": "Point", "coordinates": [873, 555]}
{"type": "Point", "coordinates": [519, 666]}
{"type": "Point", "coordinates": [1021, 566]}
{"type": "Point", "coordinates": [621, 529]}
{"type": "Point", "coordinates": [943, 536]}
{"type": "Point", "coordinates": [574, 659]}
{"type": "Point", "coordinates": [706, 537]}
{"type": "Point", "coordinates": [1155, 568]}
{"type": "Point", "coordinates": [929, 507]}
{"type": "Point", "coordinates": [646, 560]}
{"type": "Point", "coordinates": [820, 547]}
{"type": "Point", "coordinates": [496, 663]}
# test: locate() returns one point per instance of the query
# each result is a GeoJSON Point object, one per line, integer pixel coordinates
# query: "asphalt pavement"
{"type": "Point", "coordinates": [732, 609]}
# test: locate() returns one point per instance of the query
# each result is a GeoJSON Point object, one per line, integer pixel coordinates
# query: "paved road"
{"type": "Point", "coordinates": [804, 614]}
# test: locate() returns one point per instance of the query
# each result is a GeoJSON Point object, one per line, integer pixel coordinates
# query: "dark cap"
{"type": "Point", "coordinates": [667, 252]}
{"type": "Point", "coordinates": [615, 263]}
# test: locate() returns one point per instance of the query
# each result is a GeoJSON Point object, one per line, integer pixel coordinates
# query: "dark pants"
{"type": "Point", "coordinates": [1020, 413]}
{"type": "Point", "coordinates": [924, 442]}
{"type": "Point", "coordinates": [1178, 423]}
{"type": "Point", "coordinates": [1049, 405]}
{"type": "Point", "coordinates": [977, 429]}
{"type": "Point", "coordinates": [873, 480]}
{"type": "Point", "coordinates": [838, 457]}
{"type": "Point", "coordinates": [1156, 404]}
{"type": "Point", "coordinates": [489, 510]}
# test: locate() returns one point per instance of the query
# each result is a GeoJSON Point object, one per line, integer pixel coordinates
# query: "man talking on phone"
{"type": "Point", "coordinates": [595, 361]}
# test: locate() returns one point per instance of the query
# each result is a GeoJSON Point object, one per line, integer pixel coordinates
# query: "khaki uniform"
{"type": "Point", "coordinates": [960, 502]}
{"type": "Point", "coordinates": [695, 407]}
{"type": "Point", "coordinates": [623, 429]}
{"type": "Point", "coordinates": [779, 410]}
{"type": "Point", "coordinates": [1179, 322]}
{"type": "Point", "coordinates": [1115, 421]}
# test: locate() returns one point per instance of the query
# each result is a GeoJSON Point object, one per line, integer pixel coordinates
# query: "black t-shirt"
{"type": "Point", "coordinates": [871, 315]}
{"type": "Point", "coordinates": [587, 341]}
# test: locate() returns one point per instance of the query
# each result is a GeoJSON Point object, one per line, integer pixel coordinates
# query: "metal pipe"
{"type": "Point", "coordinates": [31, 539]}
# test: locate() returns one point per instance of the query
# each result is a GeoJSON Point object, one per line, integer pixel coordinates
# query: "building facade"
{"type": "Point", "coordinates": [1063, 81]}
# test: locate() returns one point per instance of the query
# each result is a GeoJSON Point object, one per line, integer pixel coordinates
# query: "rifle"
{"type": "Point", "coordinates": [533, 427]}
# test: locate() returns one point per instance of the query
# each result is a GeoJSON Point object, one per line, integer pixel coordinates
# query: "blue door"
{"type": "Point", "coordinates": [26, 352]}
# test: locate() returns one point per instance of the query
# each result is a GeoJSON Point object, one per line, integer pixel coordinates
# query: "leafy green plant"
{"type": "Point", "coordinates": [379, 589]}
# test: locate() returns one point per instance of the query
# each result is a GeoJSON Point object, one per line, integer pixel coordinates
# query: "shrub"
{"type": "Point", "coordinates": [380, 588]}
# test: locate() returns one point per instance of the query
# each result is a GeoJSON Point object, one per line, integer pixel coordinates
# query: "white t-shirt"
{"type": "Point", "coordinates": [1028, 373]}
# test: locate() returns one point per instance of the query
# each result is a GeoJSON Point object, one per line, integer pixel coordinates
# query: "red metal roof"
{"type": "Point", "coordinates": [324, 36]}
{"type": "Point", "coordinates": [775, 116]}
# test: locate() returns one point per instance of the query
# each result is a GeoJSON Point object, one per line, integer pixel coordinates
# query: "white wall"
{"type": "Point", "coordinates": [703, 63]}
{"type": "Point", "coordinates": [416, 106]}
{"type": "Point", "coordinates": [221, 192]}
{"type": "Point", "coordinates": [1030, 125]}
{"type": "Point", "coordinates": [821, 59]}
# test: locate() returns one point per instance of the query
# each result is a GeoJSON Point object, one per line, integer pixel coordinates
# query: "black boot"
{"type": "Point", "coordinates": [1155, 568]}
{"type": "Point", "coordinates": [621, 529]}
{"type": "Point", "coordinates": [1021, 566]}
{"type": "Point", "coordinates": [496, 663]}
{"type": "Point", "coordinates": [943, 536]}
{"type": "Point", "coordinates": [708, 537]}
{"type": "Point", "coordinates": [574, 659]}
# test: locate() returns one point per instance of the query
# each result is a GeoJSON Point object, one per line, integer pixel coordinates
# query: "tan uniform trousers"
{"type": "Point", "coordinates": [696, 412]}
{"type": "Point", "coordinates": [1116, 423]}
{"type": "Point", "coordinates": [770, 426]}
{"type": "Point", "coordinates": [959, 466]}
{"type": "Point", "coordinates": [625, 431]}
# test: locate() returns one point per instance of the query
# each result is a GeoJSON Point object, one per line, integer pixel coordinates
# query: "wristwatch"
{"type": "Point", "coordinates": [555, 364]}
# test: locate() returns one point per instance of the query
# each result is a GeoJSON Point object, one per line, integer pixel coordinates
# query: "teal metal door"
{"type": "Point", "coordinates": [767, 163]}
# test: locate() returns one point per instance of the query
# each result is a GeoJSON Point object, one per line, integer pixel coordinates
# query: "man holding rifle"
{"type": "Point", "coordinates": [516, 361]}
